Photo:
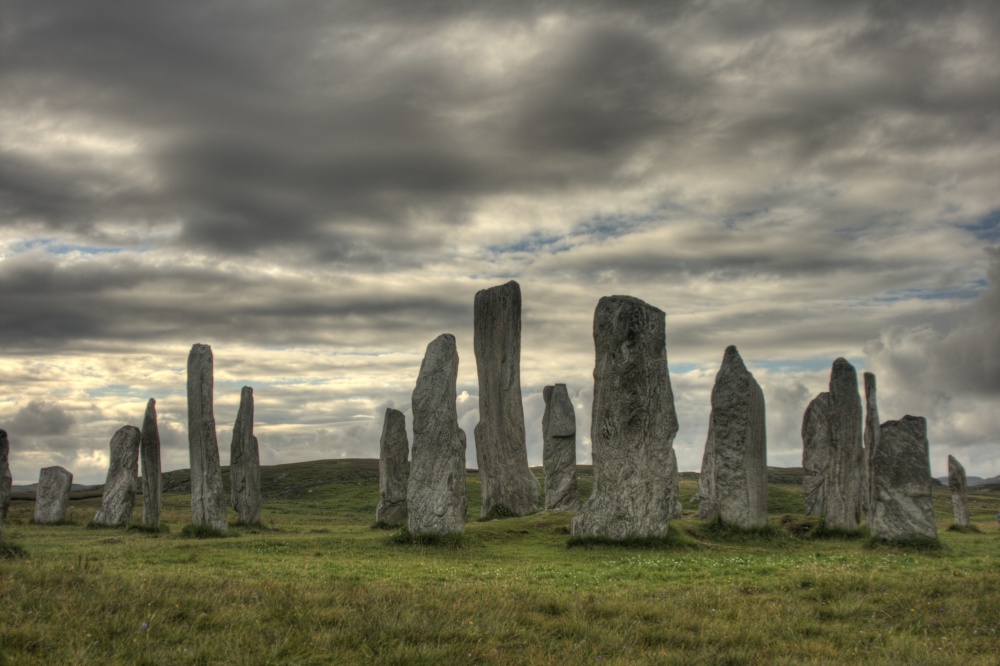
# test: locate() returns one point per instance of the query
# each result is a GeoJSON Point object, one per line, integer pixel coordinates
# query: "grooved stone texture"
{"type": "Point", "coordinates": [52, 494]}
{"type": "Point", "coordinates": [816, 453]}
{"type": "Point", "coordinates": [5, 479]}
{"type": "Point", "coordinates": [633, 425]}
{"type": "Point", "coordinates": [394, 449]}
{"type": "Point", "coordinates": [244, 463]}
{"type": "Point", "coordinates": [559, 450]}
{"type": "Point", "coordinates": [208, 496]}
{"type": "Point", "coordinates": [123, 479]}
{"type": "Point", "coordinates": [959, 491]}
{"type": "Point", "coordinates": [903, 508]}
{"type": "Point", "coordinates": [149, 456]}
{"type": "Point", "coordinates": [871, 443]}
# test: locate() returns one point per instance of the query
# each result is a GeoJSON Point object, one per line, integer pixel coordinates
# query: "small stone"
{"type": "Point", "coordinates": [435, 494]}
{"type": "Point", "coordinates": [149, 456]}
{"type": "Point", "coordinates": [559, 450]}
{"type": "Point", "coordinates": [901, 466]}
{"type": "Point", "coordinates": [208, 495]}
{"type": "Point", "coordinates": [52, 495]}
{"type": "Point", "coordinates": [394, 448]}
{"type": "Point", "coordinates": [123, 479]}
{"type": "Point", "coordinates": [244, 463]}
{"type": "Point", "coordinates": [959, 492]}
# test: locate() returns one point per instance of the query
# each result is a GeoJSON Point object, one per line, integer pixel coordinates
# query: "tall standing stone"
{"type": "Point", "coordinates": [633, 425]}
{"type": "Point", "coordinates": [5, 479]}
{"type": "Point", "coordinates": [901, 466]}
{"type": "Point", "coordinates": [959, 492]}
{"type": "Point", "coordinates": [816, 453]}
{"type": "Point", "coordinates": [706, 480]}
{"type": "Point", "coordinates": [435, 494]}
{"type": "Point", "coordinates": [52, 495]}
{"type": "Point", "coordinates": [208, 496]}
{"type": "Point", "coordinates": [244, 463]}
{"type": "Point", "coordinates": [123, 479]}
{"type": "Point", "coordinates": [394, 449]}
{"type": "Point", "coordinates": [872, 427]}
{"type": "Point", "coordinates": [508, 486]}
{"type": "Point", "coordinates": [559, 450]}
{"type": "Point", "coordinates": [738, 443]}
{"type": "Point", "coordinates": [149, 456]}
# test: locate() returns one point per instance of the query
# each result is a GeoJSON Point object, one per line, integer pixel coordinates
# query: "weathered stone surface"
{"type": "Point", "coordinates": [123, 479]}
{"type": "Point", "coordinates": [633, 425]}
{"type": "Point", "coordinates": [508, 486]}
{"type": "Point", "coordinates": [244, 463]}
{"type": "Point", "coordinates": [435, 494]}
{"type": "Point", "coordinates": [52, 494]}
{"type": "Point", "coordinates": [208, 496]}
{"type": "Point", "coordinates": [5, 478]}
{"type": "Point", "coordinates": [707, 509]}
{"type": "Point", "coordinates": [959, 491]}
{"type": "Point", "coordinates": [871, 442]}
{"type": "Point", "coordinates": [901, 466]}
{"type": "Point", "coordinates": [816, 453]}
{"type": "Point", "coordinates": [559, 450]}
{"type": "Point", "coordinates": [149, 456]}
{"type": "Point", "coordinates": [394, 449]}
{"type": "Point", "coordinates": [675, 488]}
{"type": "Point", "coordinates": [738, 443]}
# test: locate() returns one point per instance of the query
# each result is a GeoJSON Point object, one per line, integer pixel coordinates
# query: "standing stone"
{"type": "Point", "coordinates": [5, 478]}
{"type": "Point", "coordinates": [244, 463]}
{"type": "Point", "coordinates": [633, 425]}
{"type": "Point", "coordinates": [677, 510]}
{"type": "Point", "coordinates": [123, 479]}
{"type": "Point", "coordinates": [208, 496]}
{"type": "Point", "coordinates": [871, 443]}
{"type": "Point", "coordinates": [904, 508]}
{"type": "Point", "coordinates": [508, 486]}
{"type": "Point", "coordinates": [52, 495]}
{"type": "Point", "coordinates": [435, 495]}
{"type": "Point", "coordinates": [149, 456]}
{"type": "Point", "coordinates": [738, 445]}
{"type": "Point", "coordinates": [394, 450]}
{"type": "Point", "coordinates": [816, 454]}
{"type": "Point", "coordinates": [706, 480]}
{"type": "Point", "coordinates": [959, 492]}
{"type": "Point", "coordinates": [559, 450]}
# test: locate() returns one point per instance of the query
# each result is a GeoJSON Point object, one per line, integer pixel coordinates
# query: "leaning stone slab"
{"type": "Point", "coordinates": [632, 427]}
{"type": "Point", "coordinates": [559, 450]}
{"type": "Point", "coordinates": [5, 478]}
{"type": "Point", "coordinates": [149, 457]}
{"type": "Point", "coordinates": [959, 492]}
{"type": "Point", "coordinates": [123, 479]}
{"type": "Point", "coordinates": [816, 453]}
{"type": "Point", "coordinates": [244, 463]}
{"type": "Point", "coordinates": [508, 486]}
{"type": "Point", "coordinates": [208, 496]}
{"type": "Point", "coordinates": [872, 425]}
{"type": "Point", "coordinates": [52, 495]}
{"type": "Point", "coordinates": [901, 467]}
{"type": "Point", "coordinates": [394, 449]}
{"type": "Point", "coordinates": [435, 494]}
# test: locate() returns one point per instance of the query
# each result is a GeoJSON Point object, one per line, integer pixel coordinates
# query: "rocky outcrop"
{"type": "Point", "coordinates": [394, 450]}
{"type": "Point", "coordinates": [123, 479]}
{"type": "Point", "coordinates": [508, 486]}
{"type": "Point", "coordinates": [244, 463]}
{"type": "Point", "coordinates": [149, 456]}
{"type": "Point", "coordinates": [208, 496]}
{"type": "Point", "coordinates": [52, 495]}
{"type": "Point", "coordinates": [816, 454]}
{"type": "Point", "coordinates": [959, 492]}
{"type": "Point", "coordinates": [435, 496]}
{"type": "Point", "coordinates": [871, 435]}
{"type": "Point", "coordinates": [559, 450]}
{"type": "Point", "coordinates": [633, 425]}
{"type": "Point", "coordinates": [903, 507]}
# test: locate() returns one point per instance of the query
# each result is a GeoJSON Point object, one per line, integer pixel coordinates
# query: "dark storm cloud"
{"type": "Point", "coordinates": [40, 419]}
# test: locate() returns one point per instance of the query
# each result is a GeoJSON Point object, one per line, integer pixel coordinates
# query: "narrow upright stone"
{"type": "Point", "coordinates": [208, 496]}
{"type": "Point", "coordinates": [244, 463]}
{"type": "Point", "coordinates": [706, 480]}
{"type": "Point", "coordinates": [816, 453]}
{"type": "Point", "coordinates": [394, 449]}
{"type": "Point", "coordinates": [149, 456]}
{"type": "Point", "coordinates": [52, 495]}
{"type": "Point", "coordinates": [123, 479]}
{"type": "Point", "coordinates": [559, 450]}
{"type": "Point", "coordinates": [901, 466]}
{"type": "Point", "coordinates": [959, 492]}
{"type": "Point", "coordinates": [5, 478]}
{"type": "Point", "coordinates": [435, 495]}
{"type": "Point", "coordinates": [871, 443]}
{"type": "Point", "coordinates": [508, 486]}
{"type": "Point", "coordinates": [739, 445]}
{"type": "Point", "coordinates": [632, 427]}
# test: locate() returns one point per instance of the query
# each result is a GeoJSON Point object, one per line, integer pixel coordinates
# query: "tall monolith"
{"type": "Point", "coordinates": [394, 448]}
{"type": "Point", "coordinates": [508, 486]}
{"type": "Point", "coordinates": [52, 495]}
{"type": "Point", "coordinates": [559, 450]}
{"type": "Point", "coordinates": [149, 457]}
{"type": "Point", "coordinates": [738, 445]}
{"type": "Point", "coordinates": [5, 478]}
{"type": "Point", "coordinates": [901, 466]}
{"type": "Point", "coordinates": [816, 453]}
{"type": "Point", "coordinates": [208, 496]}
{"type": "Point", "coordinates": [872, 427]}
{"type": "Point", "coordinates": [244, 463]}
{"type": "Point", "coordinates": [706, 480]}
{"type": "Point", "coordinates": [959, 491]}
{"type": "Point", "coordinates": [435, 495]}
{"type": "Point", "coordinates": [632, 427]}
{"type": "Point", "coordinates": [123, 479]}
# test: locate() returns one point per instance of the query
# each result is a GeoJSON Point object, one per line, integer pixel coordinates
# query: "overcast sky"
{"type": "Point", "coordinates": [318, 189]}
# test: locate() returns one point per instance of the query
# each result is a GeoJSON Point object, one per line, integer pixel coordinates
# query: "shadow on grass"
{"type": "Point", "coordinates": [814, 527]}
{"type": "Point", "coordinates": [190, 531]}
{"type": "Point", "coordinates": [10, 551]}
{"type": "Point", "coordinates": [498, 512]}
{"type": "Point", "coordinates": [910, 545]}
{"type": "Point", "coordinates": [148, 529]}
{"type": "Point", "coordinates": [674, 539]}
{"type": "Point", "coordinates": [455, 540]}
{"type": "Point", "coordinates": [64, 521]}
{"type": "Point", "coordinates": [382, 525]}
{"type": "Point", "coordinates": [716, 530]}
{"type": "Point", "coordinates": [965, 529]}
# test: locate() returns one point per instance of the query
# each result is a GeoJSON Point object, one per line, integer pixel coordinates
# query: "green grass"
{"type": "Point", "coordinates": [315, 585]}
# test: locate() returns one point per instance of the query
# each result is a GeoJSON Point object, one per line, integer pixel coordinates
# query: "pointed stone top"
{"type": "Point", "coordinates": [953, 462]}
{"type": "Point", "coordinates": [733, 359]}
{"type": "Point", "coordinates": [151, 405]}
{"type": "Point", "coordinates": [247, 390]}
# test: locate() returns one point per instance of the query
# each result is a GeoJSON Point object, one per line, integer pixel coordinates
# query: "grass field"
{"type": "Point", "coordinates": [316, 585]}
